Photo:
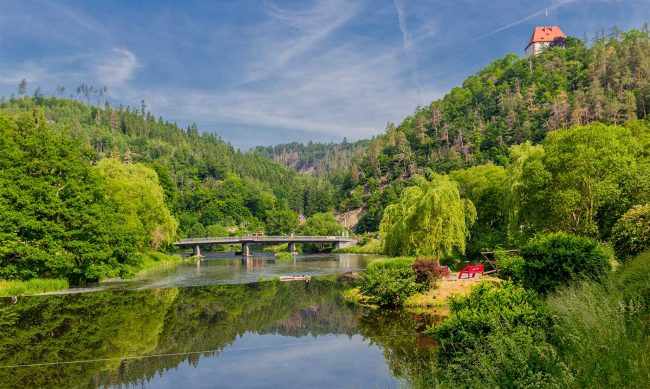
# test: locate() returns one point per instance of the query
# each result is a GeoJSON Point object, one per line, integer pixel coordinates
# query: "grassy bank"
{"type": "Point", "coordinates": [373, 246]}
{"type": "Point", "coordinates": [33, 286]}
{"type": "Point", "coordinates": [155, 259]}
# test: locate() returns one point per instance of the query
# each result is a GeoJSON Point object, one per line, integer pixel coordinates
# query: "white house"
{"type": "Point", "coordinates": [543, 37]}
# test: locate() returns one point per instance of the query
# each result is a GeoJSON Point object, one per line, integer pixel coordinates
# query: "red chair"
{"type": "Point", "coordinates": [471, 271]}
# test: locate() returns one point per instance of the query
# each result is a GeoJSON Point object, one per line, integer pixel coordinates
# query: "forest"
{"type": "Point", "coordinates": [89, 192]}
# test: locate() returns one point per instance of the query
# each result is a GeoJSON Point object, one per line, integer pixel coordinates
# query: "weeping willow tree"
{"type": "Point", "coordinates": [429, 218]}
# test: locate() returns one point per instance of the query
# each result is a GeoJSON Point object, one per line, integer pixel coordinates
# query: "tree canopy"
{"type": "Point", "coordinates": [430, 218]}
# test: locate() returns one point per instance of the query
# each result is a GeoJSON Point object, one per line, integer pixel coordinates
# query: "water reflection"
{"type": "Point", "coordinates": [269, 334]}
{"type": "Point", "coordinates": [226, 268]}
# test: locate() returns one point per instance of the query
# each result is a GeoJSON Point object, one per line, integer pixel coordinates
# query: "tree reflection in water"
{"type": "Point", "coordinates": [172, 326]}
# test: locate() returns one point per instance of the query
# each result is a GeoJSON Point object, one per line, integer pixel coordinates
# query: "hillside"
{"type": "Point", "coordinates": [317, 159]}
{"type": "Point", "coordinates": [509, 102]}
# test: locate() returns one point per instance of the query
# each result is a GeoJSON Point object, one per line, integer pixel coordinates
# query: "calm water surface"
{"type": "Point", "coordinates": [214, 326]}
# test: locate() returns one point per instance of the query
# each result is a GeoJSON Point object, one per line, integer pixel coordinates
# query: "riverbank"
{"type": "Point", "coordinates": [151, 261]}
{"type": "Point", "coordinates": [9, 288]}
{"type": "Point", "coordinates": [433, 298]}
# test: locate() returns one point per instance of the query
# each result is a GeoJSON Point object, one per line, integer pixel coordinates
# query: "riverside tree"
{"type": "Point", "coordinates": [136, 193]}
{"type": "Point", "coordinates": [430, 218]}
{"type": "Point", "coordinates": [56, 221]}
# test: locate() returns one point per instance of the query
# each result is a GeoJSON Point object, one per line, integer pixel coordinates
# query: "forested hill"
{"type": "Point", "coordinates": [510, 101]}
{"type": "Point", "coordinates": [317, 159]}
{"type": "Point", "coordinates": [84, 189]}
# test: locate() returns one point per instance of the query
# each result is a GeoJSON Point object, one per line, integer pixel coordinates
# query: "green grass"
{"type": "Point", "coordinates": [391, 262]}
{"type": "Point", "coordinates": [33, 286]}
{"type": "Point", "coordinates": [603, 337]}
{"type": "Point", "coordinates": [153, 259]}
{"type": "Point", "coordinates": [373, 246]}
{"type": "Point", "coordinates": [283, 256]}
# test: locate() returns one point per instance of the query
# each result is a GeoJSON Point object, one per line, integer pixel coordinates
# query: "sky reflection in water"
{"type": "Point", "coordinates": [228, 334]}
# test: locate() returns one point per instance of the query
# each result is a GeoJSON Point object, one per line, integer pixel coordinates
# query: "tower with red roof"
{"type": "Point", "coordinates": [544, 37]}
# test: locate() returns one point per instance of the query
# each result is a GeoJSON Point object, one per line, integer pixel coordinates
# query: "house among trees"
{"type": "Point", "coordinates": [544, 37]}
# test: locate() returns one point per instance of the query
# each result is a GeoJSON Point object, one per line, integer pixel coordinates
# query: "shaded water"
{"type": "Point", "coordinates": [228, 334]}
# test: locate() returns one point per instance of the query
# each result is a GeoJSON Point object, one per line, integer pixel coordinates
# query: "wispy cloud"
{"type": "Point", "coordinates": [522, 20]}
{"type": "Point", "coordinates": [407, 39]}
{"type": "Point", "coordinates": [310, 27]}
{"type": "Point", "coordinates": [117, 67]}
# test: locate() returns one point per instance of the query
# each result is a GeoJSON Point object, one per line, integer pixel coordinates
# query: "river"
{"type": "Point", "coordinates": [214, 325]}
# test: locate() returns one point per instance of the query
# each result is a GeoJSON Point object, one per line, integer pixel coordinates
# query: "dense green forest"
{"type": "Point", "coordinates": [84, 190]}
{"type": "Point", "coordinates": [509, 102]}
{"type": "Point", "coordinates": [317, 159]}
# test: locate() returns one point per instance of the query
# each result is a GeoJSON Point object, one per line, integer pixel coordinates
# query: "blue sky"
{"type": "Point", "coordinates": [267, 72]}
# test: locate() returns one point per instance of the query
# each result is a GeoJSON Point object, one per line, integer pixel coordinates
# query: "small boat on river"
{"type": "Point", "coordinates": [305, 277]}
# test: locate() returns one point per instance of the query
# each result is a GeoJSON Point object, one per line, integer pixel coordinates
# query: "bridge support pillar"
{"type": "Point", "coordinates": [245, 250]}
{"type": "Point", "coordinates": [197, 251]}
{"type": "Point", "coordinates": [292, 248]}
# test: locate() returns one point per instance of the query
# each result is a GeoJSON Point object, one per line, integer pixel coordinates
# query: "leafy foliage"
{"type": "Point", "coordinates": [485, 186]}
{"type": "Point", "coordinates": [430, 218]}
{"type": "Point", "coordinates": [554, 260]}
{"type": "Point", "coordinates": [322, 224]}
{"type": "Point", "coordinates": [631, 234]}
{"type": "Point", "coordinates": [57, 222]}
{"type": "Point", "coordinates": [388, 286]}
{"type": "Point", "coordinates": [584, 179]}
{"type": "Point", "coordinates": [489, 309]}
{"type": "Point", "coordinates": [510, 266]}
{"type": "Point", "coordinates": [136, 194]}
{"type": "Point", "coordinates": [279, 222]}
{"type": "Point", "coordinates": [205, 180]}
{"type": "Point", "coordinates": [428, 271]}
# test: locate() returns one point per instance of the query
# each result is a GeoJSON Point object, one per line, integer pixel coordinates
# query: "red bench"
{"type": "Point", "coordinates": [471, 271]}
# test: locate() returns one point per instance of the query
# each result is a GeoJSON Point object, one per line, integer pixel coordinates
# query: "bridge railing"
{"type": "Point", "coordinates": [263, 238]}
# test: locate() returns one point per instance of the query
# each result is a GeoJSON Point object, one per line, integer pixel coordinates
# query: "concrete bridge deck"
{"type": "Point", "coordinates": [247, 240]}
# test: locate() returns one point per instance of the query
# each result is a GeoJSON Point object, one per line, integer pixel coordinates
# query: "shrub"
{"type": "Point", "coordinates": [388, 286]}
{"type": "Point", "coordinates": [428, 272]}
{"type": "Point", "coordinates": [553, 260]}
{"type": "Point", "coordinates": [489, 309]}
{"type": "Point", "coordinates": [510, 266]}
{"type": "Point", "coordinates": [631, 234]}
{"type": "Point", "coordinates": [283, 256]}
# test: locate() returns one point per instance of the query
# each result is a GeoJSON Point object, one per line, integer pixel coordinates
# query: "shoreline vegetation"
{"type": "Point", "coordinates": [151, 261]}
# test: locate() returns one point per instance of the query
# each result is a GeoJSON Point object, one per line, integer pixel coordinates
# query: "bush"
{"type": "Point", "coordinates": [631, 234]}
{"type": "Point", "coordinates": [553, 260]}
{"type": "Point", "coordinates": [510, 266]}
{"type": "Point", "coordinates": [283, 256]}
{"type": "Point", "coordinates": [388, 286]}
{"type": "Point", "coordinates": [428, 272]}
{"type": "Point", "coordinates": [489, 309]}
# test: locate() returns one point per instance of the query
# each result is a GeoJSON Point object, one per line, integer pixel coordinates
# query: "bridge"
{"type": "Point", "coordinates": [247, 240]}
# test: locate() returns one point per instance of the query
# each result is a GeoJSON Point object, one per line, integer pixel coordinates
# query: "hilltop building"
{"type": "Point", "coordinates": [543, 37]}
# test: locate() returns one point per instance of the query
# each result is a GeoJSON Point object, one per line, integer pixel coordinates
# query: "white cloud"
{"type": "Point", "coordinates": [117, 67]}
